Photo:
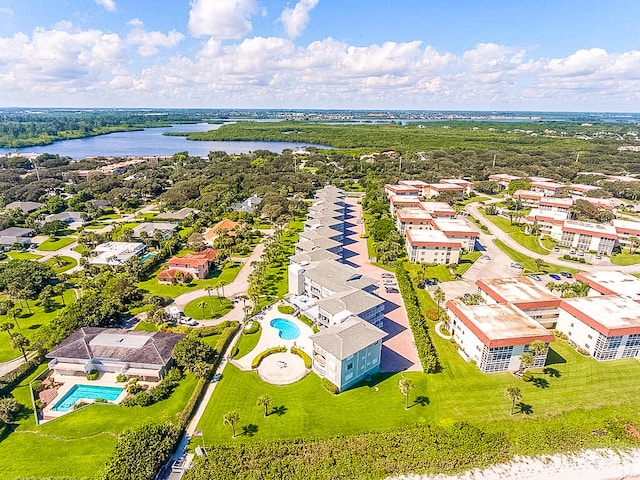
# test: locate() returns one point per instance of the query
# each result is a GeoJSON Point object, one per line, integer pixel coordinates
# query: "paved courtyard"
{"type": "Point", "coordinates": [282, 368]}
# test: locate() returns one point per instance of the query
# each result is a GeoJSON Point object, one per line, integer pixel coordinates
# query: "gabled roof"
{"type": "Point", "coordinates": [16, 232]}
{"type": "Point", "coordinates": [348, 338]}
{"type": "Point", "coordinates": [337, 277]}
{"type": "Point", "coordinates": [179, 215]}
{"type": "Point", "coordinates": [131, 346]}
{"type": "Point", "coordinates": [170, 274]}
{"type": "Point", "coordinates": [356, 302]}
{"type": "Point", "coordinates": [25, 207]}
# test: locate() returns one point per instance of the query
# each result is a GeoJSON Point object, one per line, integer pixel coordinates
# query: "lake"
{"type": "Point", "coordinates": [151, 141]}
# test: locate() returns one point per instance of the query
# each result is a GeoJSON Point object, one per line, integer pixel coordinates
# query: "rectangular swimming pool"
{"type": "Point", "coordinates": [85, 391]}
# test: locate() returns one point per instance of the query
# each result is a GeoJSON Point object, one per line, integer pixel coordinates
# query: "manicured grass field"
{"type": "Point", "coordinates": [516, 232]}
{"type": "Point", "coordinates": [442, 272]}
{"type": "Point", "coordinates": [226, 276]}
{"type": "Point", "coordinates": [53, 245]}
{"type": "Point", "coordinates": [23, 255]}
{"type": "Point", "coordinates": [247, 343]}
{"type": "Point", "coordinates": [66, 263]}
{"type": "Point", "coordinates": [626, 258]}
{"type": "Point", "coordinates": [29, 323]}
{"type": "Point", "coordinates": [109, 216]}
{"type": "Point", "coordinates": [529, 263]}
{"type": "Point", "coordinates": [215, 307]}
{"type": "Point", "coordinates": [459, 392]}
{"type": "Point", "coordinates": [79, 443]}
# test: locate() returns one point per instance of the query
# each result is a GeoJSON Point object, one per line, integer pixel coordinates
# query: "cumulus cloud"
{"type": "Point", "coordinates": [149, 42]}
{"type": "Point", "coordinates": [108, 5]}
{"type": "Point", "coordinates": [222, 19]}
{"type": "Point", "coordinates": [296, 19]}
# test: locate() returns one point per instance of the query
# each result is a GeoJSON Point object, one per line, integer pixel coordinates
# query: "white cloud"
{"type": "Point", "coordinates": [296, 19]}
{"type": "Point", "coordinates": [582, 62]}
{"type": "Point", "coordinates": [148, 42]}
{"type": "Point", "coordinates": [7, 11]}
{"type": "Point", "coordinates": [221, 19]}
{"type": "Point", "coordinates": [108, 5]}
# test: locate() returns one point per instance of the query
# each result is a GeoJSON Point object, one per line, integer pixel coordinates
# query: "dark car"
{"type": "Point", "coordinates": [566, 274]}
{"type": "Point", "coordinates": [392, 290]}
{"type": "Point", "coordinates": [555, 276]}
{"type": "Point", "coordinates": [387, 275]}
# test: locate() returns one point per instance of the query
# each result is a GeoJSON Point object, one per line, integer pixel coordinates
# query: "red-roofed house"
{"type": "Point", "coordinates": [197, 264]}
{"type": "Point", "coordinates": [225, 225]}
{"type": "Point", "coordinates": [528, 197]}
{"type": "Point", "coordinates": [431, 246]}
{"type": "Point", "coordinates": [435, 189]}
{"type": "Point", "coordinates": [402, 190]}
{"type": "Point", "coordinates": [468, 186]}
{"type": "Point", "coordinates": [171, 275]}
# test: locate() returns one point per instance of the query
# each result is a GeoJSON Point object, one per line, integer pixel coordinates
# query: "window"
{"type": "Point", "coordinates": [349, 366]}
{"type": "Point", "coordinates": [590, 337]}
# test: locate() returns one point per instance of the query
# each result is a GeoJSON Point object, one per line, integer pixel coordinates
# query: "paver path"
{"type": "Point", "coordinates": [398, 349]}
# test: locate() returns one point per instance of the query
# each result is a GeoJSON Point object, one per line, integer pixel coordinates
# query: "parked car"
{"type": "Point", "coordinates": [187, 321]}
{"type": "Point", "coordinates": [388, 282]}
{"type": "Point", "coordinates": [535, 277]}
{"type": "Point", "coordinates": [598, 257]}
{"type": "Point", "coordinates": [555, 276]}
{"type": "Point", "coordinates": [217, 377]}
{"type": "Point", "coordinates": [431, 281]}
{"type": "Point", "coordinates": [572, 251]}
{"type": "Point", "coordinates": [566, 274]}
{"type": "Point", "coordinates": [517, 265]}
{"type": "Point", "coordinates": [387, 275]}
{"type": "Point", "coordinates": [581, 253]}
{"type": "Point", "coordinates": [392, 290]}
{"type": "Point", "coordinates": [556, 249]}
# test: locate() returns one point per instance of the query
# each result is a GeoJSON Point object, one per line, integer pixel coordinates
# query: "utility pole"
{"type": "Point", "coordinates": [35, 166]}
{"type": "Point", "coordinates": [494, 160]}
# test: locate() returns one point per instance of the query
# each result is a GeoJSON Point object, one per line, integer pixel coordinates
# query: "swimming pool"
{"type": "Point", "coordinates": [288, 329]}
{"type": "Point", "coordinates": [147, 256]}
{"type": "Point", "coordinates": [85, 391]}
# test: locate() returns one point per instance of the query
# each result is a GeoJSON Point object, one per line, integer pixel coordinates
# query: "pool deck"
{"type": "Point", "coordinates": [68, 382]}
{"type": "Point", "coordinates": [270, 337]}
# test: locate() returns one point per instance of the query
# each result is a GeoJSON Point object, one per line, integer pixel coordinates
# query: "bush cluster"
{"type": "Point", "coordinates": [266, 353]}
{"type": "Point", "coordinates": [161, 391]}
{"type": "Point", "coordinates": [93, 374]}
{"type": "Point", "coordinates": [286, 309]}
{"type": "Point", "coordinates": [330, 387]}
{"type": "Point", "coordinates": [303, 356]}
{"type": "Point", "coordinates": [417, 322]}
{"type": "Point", "coordinates": [255, 326]}
{"type": "Point", "coordinates": [9, 381]}
{"type": "Point", "coordinates": [209, 331]}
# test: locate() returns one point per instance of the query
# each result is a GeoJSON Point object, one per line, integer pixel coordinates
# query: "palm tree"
{"type": "Point", "coordinates": [265, 401]}
{"type": "Point", "coordinates": [202, 305]}
{"type": "Point", "coordinates": [634, 243]}
{"type": "Point", "coordinates": [14, 313]}
{"type": "Point", "coordinates": [208, 289]}
{"type": "Point", "coordinates": [231, 418]}
{"type": "Point", "coordinates": [405, 385]}
{"type": "Point", "coordinates": [6, 327]}
{"type": "Point", "coordinates": [438, 296]}
{"type": "Point", "coordinates": [19, 341]}
{"type": "Point", "coordinates": [58, 260]}
{"type": "Point", "coordinates": [537, 348]}
{"type": "Point", "coordinates": [527, 360]}
{"type": "Point", "coordinates": [514, 395]}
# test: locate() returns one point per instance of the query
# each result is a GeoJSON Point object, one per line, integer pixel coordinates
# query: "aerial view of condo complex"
{"type": "Point", "coordinates": [269, 239]}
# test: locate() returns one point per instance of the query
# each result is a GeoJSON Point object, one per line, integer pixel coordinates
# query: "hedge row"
{"type": "Point", "coordinates": [212, 330]}
{"type": "Point", "coordinates": [266, 353]}
{"type": "Point", "coordinates": [303, 355]}
{"type": "Point", "coordinates": [417, 322]}
{"type": "Point", "coordinates": [160, 392]}
{"type": "Point", "coordinates": [11, 380]}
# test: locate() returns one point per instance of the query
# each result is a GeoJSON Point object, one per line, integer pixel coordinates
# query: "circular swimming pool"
{"type": "Point", "coordinates": [287, 329]}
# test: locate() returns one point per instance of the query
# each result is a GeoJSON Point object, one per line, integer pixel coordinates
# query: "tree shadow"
{"type": "Point", "coordinates": [279, 410]}
{"type": "Point", "coordinates": [540, 382]}
{"type": "Point", "coordinates": [524, 408]}
{"type": "Point", "coordinates": [554, 357]}
{"type": "Point", "coordinates": [249, 430]}
{"type": "Point", "coordinates": [420, 400]}
{"type": "Point", "coordinates": [552, 372]}
{"type": "Point", "coordinates": [34, 326]}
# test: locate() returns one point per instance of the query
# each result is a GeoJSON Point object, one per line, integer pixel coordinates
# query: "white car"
{"type": "Point", "coordinates": [188, 321]}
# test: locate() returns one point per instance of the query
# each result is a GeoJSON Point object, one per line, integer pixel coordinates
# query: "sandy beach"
{"type": "Point", "coordinates": [602, 464]}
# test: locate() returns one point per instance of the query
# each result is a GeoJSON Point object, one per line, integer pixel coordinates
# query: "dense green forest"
{"type": "Point", "coordinates": [419, 137]}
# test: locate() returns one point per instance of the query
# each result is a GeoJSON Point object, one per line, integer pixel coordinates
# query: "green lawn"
{"type": "Point", "coordinates": [66, 263]}
{"type": "Point", "coordinates": [29, 323]}
{"type": "Point", "coordinates": [95, 226]}
{"type": "Point", "coordinates": [531, 242]}
{"type": "Point", "coordinates": [81, 249]}
{"type": "Point", "coordinates": [215, 307]}
{"type": "Point", "coordinates": [79, 443]}
{"type": "Point", "coordinates": [226, 276]}
{"type": "Point", "coordinates": [442, 272]}
{"type": "Point", "coordinates": [459, 392]}
{"type": "Point", "coordinates": [145, 326]}
{"type": "Point", "coordinates": [109, 216]}
{"type": "Point", "coordinates": [53, 245]}
{"type": "Point", "coordinates": [247, 342]}
{"type": "Point", "coordinates": [23, 255]}
{"type": "Point", "coordinates": [529, 263]}
{"type": "Point", "coordinates": [625, 258]}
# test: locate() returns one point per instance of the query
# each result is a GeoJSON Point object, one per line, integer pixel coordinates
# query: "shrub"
{"type": "Point", "coordinates": [417, 322]}
{"type": "Point", "coordinates": [37, 386]}
{"type": "Point", "coordinates": [582, 351]}
{"type": "Point", "coordinates": [306, 320]}
{"type": "Point", "coordinates": [101, 400]}
{"type": "Point", "coordinates": [9, 381]}
{"type": "Point", "coordinates": [303, 356]}
{"type": "Point", "coordinates": [93, 375]}
{"type": "Point", "coordinates": [121, 378]}
{"type": "Point", "coordinates": [330, 387]}
{"type": "Point", "coordinates": [39, 404]}
{"type": "Point", "coordinates": [286, 309]}
{"type": "Point", "coordinates": [254, 328]}
{"type": "Point", "coordinates": [266, 353]}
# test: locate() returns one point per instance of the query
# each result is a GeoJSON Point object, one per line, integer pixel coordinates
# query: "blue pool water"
{"type": "Point", "coordinates": [288, 329]}
{"type": "Point", "coordinates": [85, 391]}
{"type": "Point", "coordinates": [147, 256]}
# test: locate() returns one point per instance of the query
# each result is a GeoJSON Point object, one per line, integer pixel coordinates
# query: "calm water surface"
{"type": "Point", "coordinates": [151, 141]}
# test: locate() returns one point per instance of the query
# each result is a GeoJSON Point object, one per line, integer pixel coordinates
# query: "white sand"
{"type": "Point", "coordinates": [602, 464]}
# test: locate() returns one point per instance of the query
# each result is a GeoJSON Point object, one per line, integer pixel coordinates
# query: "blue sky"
{"type": "Point", "coordinates": [370, 54]}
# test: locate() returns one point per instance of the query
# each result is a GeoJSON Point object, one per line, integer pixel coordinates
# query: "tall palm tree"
{"type": "Point", "coordinates": [405, 385]}
{"type": "Point", "coordinates": [14, 313]}
{"type": "Point", "coordinates": [537, 348]}
{"type": "Point", "coordinates": [438, 296]}
{"type": "Point", "coordinates": [514, 395]}
{"type": "Point", "coordinates": [208, 289]}
{"type": "Point", "coordinates": [58, 260]}
{"type": "Point", "coordinates": [231, 418]}
{"type": "Point", "coordinates": [19, 341]}
{"type": "Point", "coordinates": [265, 401]}
{"type": "Point", "coordinates": [527, 360]}
{"type": "Point", "coordinates": [202, 305]}
{"type": "Point", "coordinates": [7, 327]}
